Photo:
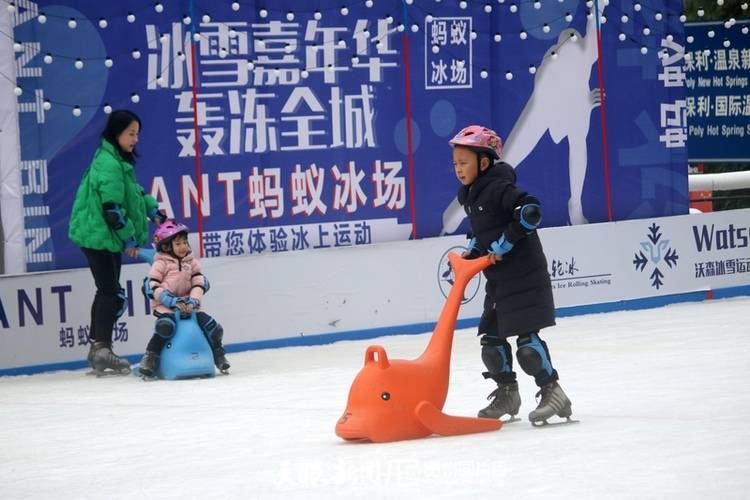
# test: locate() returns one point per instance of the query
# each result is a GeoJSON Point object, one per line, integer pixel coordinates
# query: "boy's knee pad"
{"type": "Point", "coordinates": [165, 327]}
{"type": "Point", "coordinates": [496, 356]}
{"type": "Point", "coordinates": [533, 356]}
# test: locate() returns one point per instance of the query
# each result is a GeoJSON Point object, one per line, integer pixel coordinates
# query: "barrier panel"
{"type": "Point", "coordinates": [303, 298]}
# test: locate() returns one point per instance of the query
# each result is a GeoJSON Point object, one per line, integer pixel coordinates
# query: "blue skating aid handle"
{"type": "Point", "coordinates": [187, 354]}
{"type": "Point", "coordinates": [146, 255]}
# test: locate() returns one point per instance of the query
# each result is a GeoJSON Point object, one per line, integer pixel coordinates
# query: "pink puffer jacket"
{"type": "Point", "coordinates": [181, 277]}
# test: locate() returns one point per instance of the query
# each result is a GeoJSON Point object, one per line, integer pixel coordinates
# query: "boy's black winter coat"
{"type": "Point", "coordinates": [519, 285]}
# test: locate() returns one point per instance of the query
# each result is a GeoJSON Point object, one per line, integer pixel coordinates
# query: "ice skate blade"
{"type": "Point", "coordinates": [107, 373]}
{"type": "Point", "coordinates": [136, 372]}
{"type": "Point", "coordinates": [513, 418]}
{"type": "Point", "coordinates": [544, 423]}
{"type": "Point", "coordinates": [146, 377]}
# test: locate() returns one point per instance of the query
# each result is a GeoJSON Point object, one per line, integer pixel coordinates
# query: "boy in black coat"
{"type": "Point", "coordinates": [518, 299]}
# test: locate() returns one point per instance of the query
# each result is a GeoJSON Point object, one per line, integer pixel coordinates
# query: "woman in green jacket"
{"type": "Point", "coordinates": [110, 216]}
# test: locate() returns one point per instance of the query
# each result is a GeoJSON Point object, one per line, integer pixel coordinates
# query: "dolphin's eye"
{"type": "Point", "coordinates": [385, 396]}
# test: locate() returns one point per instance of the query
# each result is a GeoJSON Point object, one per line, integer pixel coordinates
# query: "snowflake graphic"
{"type": "Point", "coordinates": [656, 250]}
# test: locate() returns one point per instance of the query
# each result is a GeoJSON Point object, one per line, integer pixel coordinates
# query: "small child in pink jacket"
{"type": "Point", "coordinates": [176, 284]}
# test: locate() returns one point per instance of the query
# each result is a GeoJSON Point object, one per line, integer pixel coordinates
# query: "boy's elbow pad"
{"type": "Point", "coordinates": [529, 215]}
{"type": "Point", "coordinates": [113, 216]}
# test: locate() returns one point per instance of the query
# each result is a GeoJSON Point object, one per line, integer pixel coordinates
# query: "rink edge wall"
{"type": "Point", "coordinates": [320, 296]}
{"type": "Point", "coordinates": [420, 328]}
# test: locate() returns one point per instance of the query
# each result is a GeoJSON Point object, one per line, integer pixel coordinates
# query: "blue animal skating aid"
{"type": "Point", "coordinates": [187, 354]}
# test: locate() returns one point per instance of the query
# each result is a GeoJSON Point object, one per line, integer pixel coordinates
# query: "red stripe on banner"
{"type": "Point", "coordinates": [410, 155]}
{"type": "Point", "coordinates": [197, 148]}
{"type": "Point", "coordinates": [709, 294]}
{"type": "Point", "coordinates": [603, 111]}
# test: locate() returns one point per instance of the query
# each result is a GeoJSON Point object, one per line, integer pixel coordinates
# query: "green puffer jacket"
{"type": "Point", "coordinates": [109, 179]}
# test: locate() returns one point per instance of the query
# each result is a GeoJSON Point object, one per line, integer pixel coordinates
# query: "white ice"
{"type": "Point", "coordinates": [662, 396]}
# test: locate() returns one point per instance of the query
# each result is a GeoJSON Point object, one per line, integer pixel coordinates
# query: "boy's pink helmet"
{"type": "Point", "coordinates": [479, 138]}
{"type": "Point", "coordinates": [168, 230]}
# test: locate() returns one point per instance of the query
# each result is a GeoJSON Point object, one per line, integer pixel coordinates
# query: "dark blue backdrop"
{"type": "Point", "coordinates": [331, 102]}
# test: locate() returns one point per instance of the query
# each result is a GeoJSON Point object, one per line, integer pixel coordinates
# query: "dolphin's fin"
{"type": "Point", "coordinates": [447, 425]}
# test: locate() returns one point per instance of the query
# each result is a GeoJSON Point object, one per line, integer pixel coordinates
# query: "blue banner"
{"type": "Point", "coordinates": [326, 126]}
{"type": "Point", "coordinates": [717, 67]}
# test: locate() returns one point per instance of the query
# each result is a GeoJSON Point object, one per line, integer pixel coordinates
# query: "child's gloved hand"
{"type": "Point", "coordinates": [184, 308]}
{"type": "Point", "coordinates": [168, 299]}
{"type": "Point", "coordinates": [472, 249]}
{"type": "Point", "coordinates": [500, 247]}
{"type": "Point", "coordinates": [191, 303]}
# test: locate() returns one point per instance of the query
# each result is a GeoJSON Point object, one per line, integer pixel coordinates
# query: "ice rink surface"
{"type": "Point", "coordinates": [662, 395]}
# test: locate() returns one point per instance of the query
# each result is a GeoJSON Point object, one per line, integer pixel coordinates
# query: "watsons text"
{"type": "Point", "coordinates": [708, 238]}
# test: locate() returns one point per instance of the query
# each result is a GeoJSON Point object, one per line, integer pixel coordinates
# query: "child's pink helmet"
{"type": "Point", "coordinates": [479, 138]}
{"type": "Point", "coordinates": [168, 230]}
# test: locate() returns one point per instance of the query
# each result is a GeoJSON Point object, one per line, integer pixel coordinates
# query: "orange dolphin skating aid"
{"type": "Point", "coordinates": [395, 399]}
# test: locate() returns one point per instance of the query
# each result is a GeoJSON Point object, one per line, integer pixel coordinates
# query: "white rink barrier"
{"type": "Point", "coordinates": [320, 296]}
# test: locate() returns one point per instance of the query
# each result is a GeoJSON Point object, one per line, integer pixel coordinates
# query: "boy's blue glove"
{"type": "Point", "coordinates": [472, 246]}
{"type": "Point", "coordinates": [501, 246]}
{"type": "Point", "coordinates": [168, 299]}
